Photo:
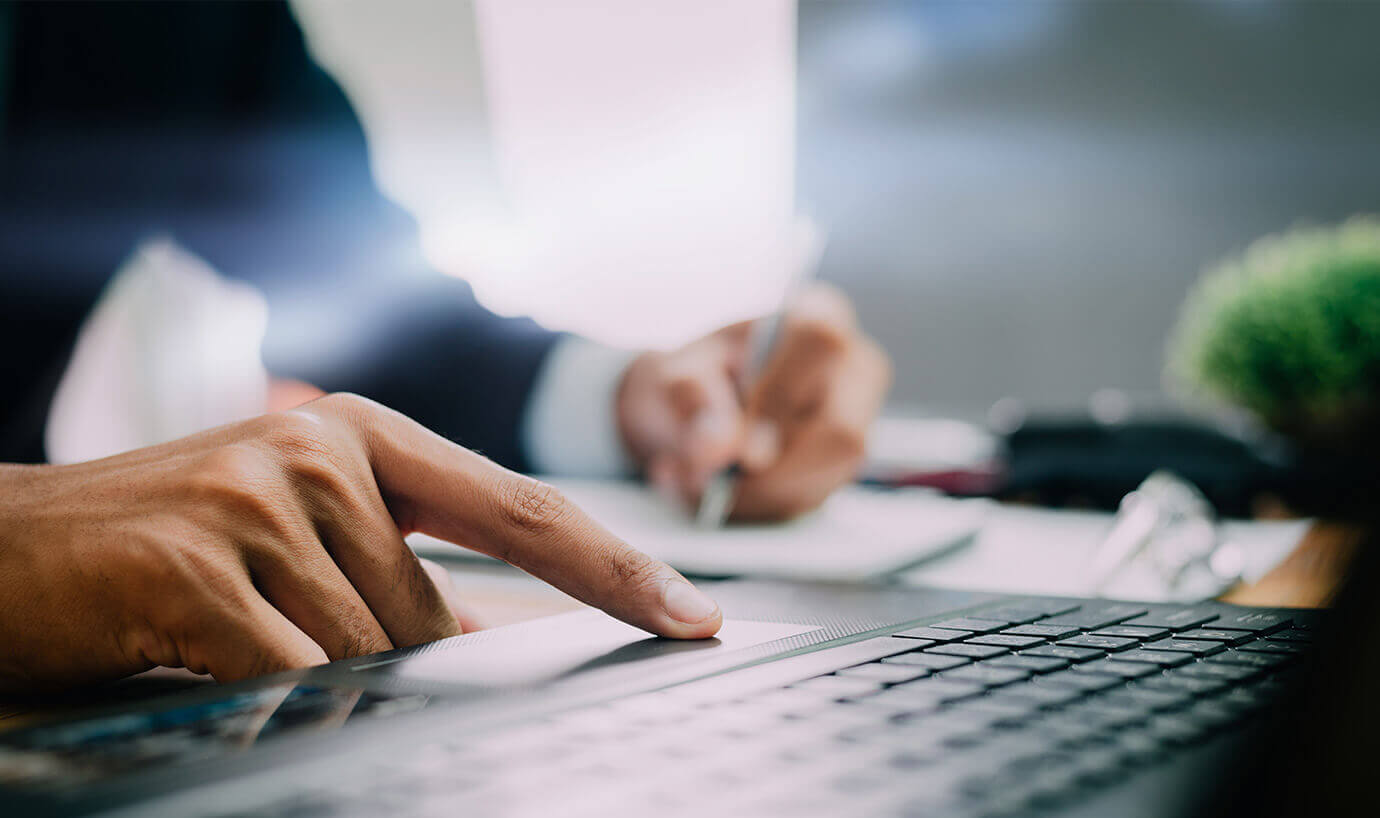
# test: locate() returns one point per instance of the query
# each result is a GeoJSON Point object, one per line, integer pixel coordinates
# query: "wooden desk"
{"type": "Point", "coordinates": [1309, 577]}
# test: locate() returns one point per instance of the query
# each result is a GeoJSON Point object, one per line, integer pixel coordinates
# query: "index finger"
{"type": "Point", "coordinates": [437, 487]}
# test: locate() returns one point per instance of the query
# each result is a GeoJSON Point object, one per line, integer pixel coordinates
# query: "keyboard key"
{"type": "Point", "coordinates": [1136, 746]}
{"type": "Point", "coordinates": [1162, 658]}
{"type": "Point", "coordinates": [1108, 714]}
{"type": "Point", "coordinates": [1140, 632]}
{"type": "Point", "coordinates": [1178, 619]}
{"type": "Point", "coordinates": [1035, 664]}
{"type": "Point", "coordinates": [1014, 614]}
{"type": "Point", "coordinates": [1071, 654]}
{"type": "Point", "coordinates": [1125, 670]}
{"type": "Point", "coordinates": [973, 624]}
{"type": "Point", "coordinates": [1097, 769]}
{"type": "Point", "coordinates": [1193, 646]}
{"type": "Point", "coordinates": [1041, 695]}
{"type": "Point", "coordinates": [908, 645]}
{"type": "Point", "coordinates": [1046, 607]}
{"type": "Point", "coordinates": [836, 687]}
{"type": "Point", "coordinates": [1006, 640]}
{"type": "Point", "coordinates": [1224, 635]}
{"type": "Point", "coordinates": [1095, 617]}
{"type": "Point", "coordinates": [970, 651]}
{"type": "Point", "coordinates": [926, 660]}
{"type": "Point", "coordinates": [934, 634]}
{"type": "Point", "coordinates": [886, 674]}
{"type": "Point", "coordinates": [934, 688]}
{"type": "Point", "coordinates": [1247, 699]}
{"type": "Point", "coordinates": [1088, 725]}
{"type": "Point", "coordinates": [1271, 646]}
{"type": "Point", "coordinates": [1291, 635]}
{"type": "Point", "coordinates": [1086, 682]}
{"type": "Point", "coordinates": [1174, 730]}
{"type": "Point", "coordinates": [1214, 714]}
{"type": "Point", "coordinates": [999, 711]}
{"type": "Point", "coordinates": [1218, 670]}
{"type": "Point", "coordinates": [1258, 660]}
{"type": "Point", "coordinates": [1253, 619]}
{"type": "Point", "coordinates": [1043, 630]}
{"type": "Point", "coordinates": [987, 676]}
{"type": "Point", "coordinates": [1195, 684]}
{"type": "Point", "coordinates": [1108, 643]}
{"type": "Point", "coordinates": [1148, 698]}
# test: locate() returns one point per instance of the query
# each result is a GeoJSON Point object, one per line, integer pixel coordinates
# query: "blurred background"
{"type": "Point", "coordinates": [1016, 194]}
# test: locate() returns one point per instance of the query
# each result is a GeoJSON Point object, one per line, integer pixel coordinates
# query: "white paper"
{"type": "Point", "coordinates": [859, 532]}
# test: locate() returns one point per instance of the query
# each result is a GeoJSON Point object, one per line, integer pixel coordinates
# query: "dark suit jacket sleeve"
{"type": "Point", "coordinates": [209, 122]}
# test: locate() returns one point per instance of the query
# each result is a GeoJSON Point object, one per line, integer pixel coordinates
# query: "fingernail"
{"type": "Point", "coordinates": [684, 602]}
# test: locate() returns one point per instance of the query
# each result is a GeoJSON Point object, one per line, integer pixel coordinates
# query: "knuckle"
{"type": "Point", "coordinates": [201, 563]}
{"type": "Point", "coordinates": [533, 507]}
{"type": "Point", "coordinates": [818, 337]}
{"type": "Point", "coordinates": [411, 577]}
{"type": "Point", "coordinates": [241, 485]}
{"type": "Point", "coordinates": [358, 637]}
{"type": "Point", "coordinates": [268, 659]}
{"type": "Point", "coordinates": [299, 438]}
{"type": "Point", "coordinates": [686, 393]}
{"type": "Point", "coordinates": [317, 461]}
{"type": "Point", "coordinates": [347, 406]}
{"type": "Point", "coordinates": [236, 476]}
{"type": "Point", "coordinates": [629, 567]}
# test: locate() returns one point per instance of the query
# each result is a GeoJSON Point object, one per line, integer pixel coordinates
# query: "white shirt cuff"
{"type": "Point", "coordinates": [570, 426]}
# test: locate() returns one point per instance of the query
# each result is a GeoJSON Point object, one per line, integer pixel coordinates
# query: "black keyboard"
{"type": "Point", "coordinates": [1015, 708]}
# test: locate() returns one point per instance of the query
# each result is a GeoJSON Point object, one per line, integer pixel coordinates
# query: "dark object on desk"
{"type": "Point", "coordinates": [1079, 461]}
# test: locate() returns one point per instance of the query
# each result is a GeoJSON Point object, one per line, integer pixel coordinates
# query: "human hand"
{"type": "Point", "coordinates": [277, 543]}
{"type": "Point", "coordinates": [798, 434]}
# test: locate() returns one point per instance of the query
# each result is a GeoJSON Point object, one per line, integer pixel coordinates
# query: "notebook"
{"type": "Point", "coordinates": [859, 532]}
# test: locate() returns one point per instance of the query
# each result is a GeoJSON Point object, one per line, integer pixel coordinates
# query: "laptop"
{"type": "Point", "coordinates": [815, 699]}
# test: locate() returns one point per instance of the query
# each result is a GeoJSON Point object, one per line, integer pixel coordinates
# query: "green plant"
{"type": "Point", "coordinates": [1290, 330]}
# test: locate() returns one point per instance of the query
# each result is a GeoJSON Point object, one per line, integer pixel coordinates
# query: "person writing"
{"type": "Point", "coordinates": [276, 542]}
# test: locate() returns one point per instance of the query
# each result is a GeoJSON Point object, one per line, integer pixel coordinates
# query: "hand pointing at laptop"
{"type": "Point", "coordinates": [277, 543]}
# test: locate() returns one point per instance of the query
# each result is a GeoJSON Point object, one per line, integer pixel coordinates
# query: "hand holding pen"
{"type": "Point", "coordinates": [792, 427]}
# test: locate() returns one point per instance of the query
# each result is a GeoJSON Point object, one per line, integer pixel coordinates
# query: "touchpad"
{"type": "Point", "coordinates": [569, 645]}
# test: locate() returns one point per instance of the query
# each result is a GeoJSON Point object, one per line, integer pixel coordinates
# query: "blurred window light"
{"type": "Point", "coordinates": [623, 168]}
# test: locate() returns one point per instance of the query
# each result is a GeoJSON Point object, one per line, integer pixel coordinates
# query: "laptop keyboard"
{"type": "Point", "coordinates": [1017, 709]}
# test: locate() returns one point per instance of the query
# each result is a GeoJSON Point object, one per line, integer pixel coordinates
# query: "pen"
{"type": "Point", "coordinates": [716, 503]}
